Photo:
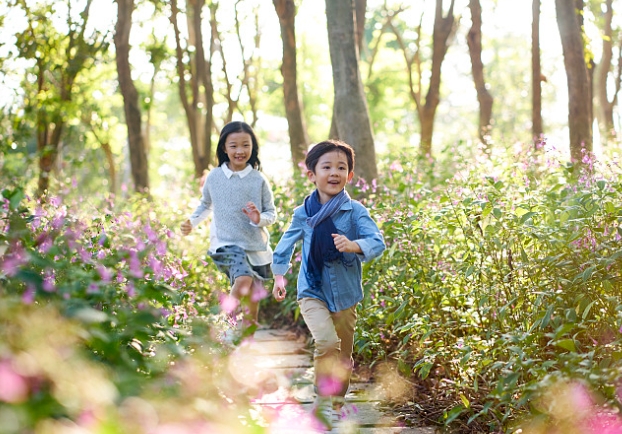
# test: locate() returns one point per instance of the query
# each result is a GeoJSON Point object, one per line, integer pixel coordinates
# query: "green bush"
{"type": "Point", "coordinates": [496, 282]}
{"type": "Point", "coordinates": [98, 316]}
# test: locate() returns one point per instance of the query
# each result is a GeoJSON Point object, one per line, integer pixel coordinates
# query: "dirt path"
{"type": "Point", "coordinates": [278, 366]}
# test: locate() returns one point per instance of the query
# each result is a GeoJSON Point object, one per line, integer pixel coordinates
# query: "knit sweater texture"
{"type": "Point", "coordinates": [225, 197]}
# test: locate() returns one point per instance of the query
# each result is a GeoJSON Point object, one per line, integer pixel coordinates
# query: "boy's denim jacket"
{"type": "Point", "coordinates": [341, 284]}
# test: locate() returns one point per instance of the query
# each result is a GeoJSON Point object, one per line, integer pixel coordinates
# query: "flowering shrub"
{"type": "Point", "coordinates": [100, 327]}
{"type": "Point", "coordinates": [494, 280]}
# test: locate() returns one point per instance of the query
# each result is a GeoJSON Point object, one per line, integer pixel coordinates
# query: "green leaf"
{"type": "Point", "coordinates": [424, 370]}
{"type": "Point", "coordinates": [588, 273]}
{"type": "Point", "coordinates": [16, 199]}
{"type": "Point", "coordinates": [453, 414]}
{"type": "Point", "coordinates": [89, 315]}
{"type": "Point", "coordinates": [567, 344]}
{"type": "Point", "coordinates": [465, 401]}
{"type": "Point", "coordinates": [526, 217]}
{"type": "Point", "coordinates": [587, 310]}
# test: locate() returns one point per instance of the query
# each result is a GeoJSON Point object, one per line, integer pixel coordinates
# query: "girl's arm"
{"type": "Point", "coordinates": [268, 210]}
{"type": "Point", "coordinates": [205, 206]}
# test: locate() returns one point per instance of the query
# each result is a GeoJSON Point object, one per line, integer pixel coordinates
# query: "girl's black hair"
{"type": "Point", "coordinates": [238, 127]}
{"type": "Point", "coordinates": [313, 156]}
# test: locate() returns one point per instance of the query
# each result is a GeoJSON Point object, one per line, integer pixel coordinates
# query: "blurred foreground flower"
{"type": "Point", "coordinates": [569, 407]}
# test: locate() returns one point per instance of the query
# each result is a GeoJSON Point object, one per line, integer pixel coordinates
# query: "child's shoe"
{"type": "Point", "coordinates": [323, 411]}
{"type": "Point", "coordinates": [345, 411]}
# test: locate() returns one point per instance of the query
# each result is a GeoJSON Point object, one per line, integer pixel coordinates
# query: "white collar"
{"type": "Point", "coordinates": [242, 173]}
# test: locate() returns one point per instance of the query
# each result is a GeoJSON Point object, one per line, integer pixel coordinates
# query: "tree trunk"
{"type": "Point", "coordinates": [604, 107]}
{"type": "Point", "coordinates": [112, 172]}
{"type": "Point", "coordinates": [202, 75]}
{"type": "Point", "coordinates": [198, 72]}
{"type": "Point", "coordinates": [51, 116]}
{"type": "Point", "coordinates": [444, 27]}
{"type": "Point", "coordinates": [360, 7]}
{"type": "Point", "coordinates": [536, 78]}
{"type": "Point", "coordinates": [298, 139]}
{"type": "Point", "coordinates": [577, 77]}
{"type": "Point", "coordinates": [474, 41]}
{"type": "Point", "coordinates": [138, 155]}
{"type": "Point", "coordinates": [350, 106]}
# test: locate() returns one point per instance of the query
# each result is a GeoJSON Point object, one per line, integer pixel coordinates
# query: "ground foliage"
{"type": "Point", "coordinates": [500, 282]}
{"type": "Point", "coordinates": [496, 306]}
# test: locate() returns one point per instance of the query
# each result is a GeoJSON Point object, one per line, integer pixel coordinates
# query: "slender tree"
{"type": "Point", "coordinates": [194, 85]}
{"type": "Point", "coordinates": [350, 107]}
{"type": "Point", "coordinates": [444, 28]}
{"type": "Point", "coordinates": [485, 99]}
{"type": "Point", "coordinates": [360, 7]}
{"type": "Point", "coordinates": [536, 76]}
{"type": "Point", "coordinates": [138, 153]}
{"type": "Point", "coordinates": [605, 102]}
{"type": "Point", "coordinates": [298, 139]}
{"type": "Point", "coordinates": [58, 61]}
{"type": "Point", "coordinates": [579, 103]}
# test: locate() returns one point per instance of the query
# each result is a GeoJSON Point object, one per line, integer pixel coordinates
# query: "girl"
{"type": "Point", "coordinates": [241, 200]}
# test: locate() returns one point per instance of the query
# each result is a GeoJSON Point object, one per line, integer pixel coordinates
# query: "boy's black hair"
{"type": "Point", "coordinates": [238, 127]}
{"type": "Point", "coordinates": [313, 156]}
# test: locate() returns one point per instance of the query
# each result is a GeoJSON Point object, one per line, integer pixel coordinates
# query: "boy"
{"type": "Point", "coordinates": [337, 233]}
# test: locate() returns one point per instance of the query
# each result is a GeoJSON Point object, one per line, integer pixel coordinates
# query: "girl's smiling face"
{"type": "Point", "coordinates": [331, 174]}
{"type": "Point", "coordinates": [238, 147]}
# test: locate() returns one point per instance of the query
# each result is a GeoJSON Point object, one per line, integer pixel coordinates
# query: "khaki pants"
{"type": "Point", "coordinates": [333, 334]}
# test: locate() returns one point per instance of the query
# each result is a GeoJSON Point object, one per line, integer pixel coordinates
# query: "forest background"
{"type": "Point", "coordinates": [487, 145]}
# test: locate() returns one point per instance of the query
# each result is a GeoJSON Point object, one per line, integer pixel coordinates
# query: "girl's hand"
{"type": "Point", "coordinates": [343, 244]}
{"type": "Point", "coordinates": [252, 212]}
{"type": "Point", "coordinates": [186, 227]}
{"type": "Point", "coordinates": [279, 292]}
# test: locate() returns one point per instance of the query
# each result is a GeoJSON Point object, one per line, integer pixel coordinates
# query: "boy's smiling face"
{"type": "Point", "coordinates": [331, 174]}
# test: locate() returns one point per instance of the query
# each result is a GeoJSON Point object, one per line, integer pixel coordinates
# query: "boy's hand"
{"type": "Point", "coordinates": [279, 292]}
{"type": "Point", "coordinates": [343, 244]}
{"type": "Point", "coordinates": [252, 212]}
{"type": "Point", "coordinates": [186, 227]}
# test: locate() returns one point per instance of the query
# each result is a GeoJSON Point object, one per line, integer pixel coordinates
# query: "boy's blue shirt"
{"type": "Point", "coordinates": [341, 285]}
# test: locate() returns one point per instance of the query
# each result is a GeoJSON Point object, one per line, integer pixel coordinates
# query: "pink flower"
{"type": "Point", "coordinates": [396, 166]}
{"type": "Point", "coordinates": [14, 387]}
{"type": "Point", "coordinates": [28, 297]}
{"type": "Point", "coordinates": [259, 291]}
{"type": "Point", "coordinates": [49, 280]}
{"type": "Point", "coordinates": [13, 262]}
{"type": "Point", "coordinates": [129, 288]}
{"type": "Point", "coordinates": [104, 273]}
{"type": "Point", "coordinates": [329, 385]}
{"type": "Point", "coordinates": [603, 423]}
{"type": "Point", "coordinates": [151, 235]}
{"type": "Point", "coordinates": [135, 266]}
{"type": "Point", "coordinates": [228, 303]}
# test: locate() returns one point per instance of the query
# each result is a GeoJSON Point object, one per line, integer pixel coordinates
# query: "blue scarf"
{"type": "Point", "coordinates": [323, 248]}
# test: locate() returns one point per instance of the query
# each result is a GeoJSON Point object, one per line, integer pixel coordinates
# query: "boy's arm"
{"type": "Point", "coordinates": [279, 292]}
{"type": "Point", "coordinates": [369, 238]}
{"type": "Point", "coordinates": [343, 244]}
{"type": "Point", "coordinates": [282, 255]}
